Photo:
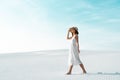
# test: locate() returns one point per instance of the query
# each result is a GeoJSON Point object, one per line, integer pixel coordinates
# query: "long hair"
{"type": "Point", "coordinates": [76, 31]}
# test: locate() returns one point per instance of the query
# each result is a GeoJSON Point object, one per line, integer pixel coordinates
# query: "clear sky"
{"type": "Point", "coordinates": [33, 25]}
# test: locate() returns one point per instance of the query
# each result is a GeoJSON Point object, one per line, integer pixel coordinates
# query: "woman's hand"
{"type": "Point", "coordinates": [69, 30]}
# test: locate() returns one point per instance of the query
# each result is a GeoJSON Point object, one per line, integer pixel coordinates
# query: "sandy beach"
{"type": "Point", "coordinates": [52, 65]}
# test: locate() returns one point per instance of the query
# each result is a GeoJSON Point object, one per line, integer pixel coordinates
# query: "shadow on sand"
{"type": "Point", "coordinates": [98, 73]}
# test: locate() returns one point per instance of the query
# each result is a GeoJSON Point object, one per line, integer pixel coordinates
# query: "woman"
{"type": "Point", "coordinates": [74, 50]}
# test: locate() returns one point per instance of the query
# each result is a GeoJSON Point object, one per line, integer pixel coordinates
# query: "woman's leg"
{"type": "Point", "coordinates": [82, 66]}
{"type": "Point", "coordinates": [70, 70]}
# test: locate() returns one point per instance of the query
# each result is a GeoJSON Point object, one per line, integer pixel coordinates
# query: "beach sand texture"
{"type": "Point", "coordinates": [52, 65]}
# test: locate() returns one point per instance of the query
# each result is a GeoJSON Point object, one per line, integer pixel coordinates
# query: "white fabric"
{"type": "Point", "coordinates": [73, 58]}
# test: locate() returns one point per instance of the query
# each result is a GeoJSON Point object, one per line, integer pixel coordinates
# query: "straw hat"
{"type": "Point", "coordinates": [75, 28]}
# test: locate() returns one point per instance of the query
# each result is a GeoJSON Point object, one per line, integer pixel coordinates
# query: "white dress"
{"type": "Point", "coordinates": [73, 58]}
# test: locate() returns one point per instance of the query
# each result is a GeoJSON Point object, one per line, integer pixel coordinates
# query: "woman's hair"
{"type": "Point", "coordinates": [76, 30]}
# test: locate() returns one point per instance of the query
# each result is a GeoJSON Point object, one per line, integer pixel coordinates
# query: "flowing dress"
{"type": "Point", "coordinates": [73, 58]}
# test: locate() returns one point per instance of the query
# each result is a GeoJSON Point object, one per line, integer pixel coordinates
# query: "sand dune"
{"type": "Point", "coordinates": [52, 65]}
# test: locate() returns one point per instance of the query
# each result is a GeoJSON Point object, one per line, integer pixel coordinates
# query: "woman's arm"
{"type": "Point", "coordinates": [68, 34]}
{"type": "Point", "coordinates": [77, 40]}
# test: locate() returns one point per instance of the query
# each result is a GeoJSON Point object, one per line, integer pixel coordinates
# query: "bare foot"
{"type": "Point", "coordinates": [68, 73]}
{"type": "Point", "coordinates": [84, 72]}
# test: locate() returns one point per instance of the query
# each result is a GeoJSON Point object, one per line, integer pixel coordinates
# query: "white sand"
{"type": "Point", "coordinates": [52, 65]}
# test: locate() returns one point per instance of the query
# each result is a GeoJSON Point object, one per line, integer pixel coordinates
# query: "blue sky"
{"type": "Point", "coordinates": [32, 25]}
